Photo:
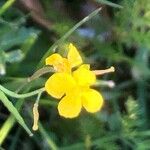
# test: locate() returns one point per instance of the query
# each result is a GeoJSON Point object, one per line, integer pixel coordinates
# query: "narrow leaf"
{"type": "Point", "coordinates": [14, 111]}
{"type": "Point", "coordinates": [9, 123]}
{"type": "Point", "coordinates": [48, 139]}
{"type": "Point", "coordinates": [106, 2]}
{"type": "Point", "coordinates": [6, 6]}
{"type": "Point", "coordinates": [63, 38]}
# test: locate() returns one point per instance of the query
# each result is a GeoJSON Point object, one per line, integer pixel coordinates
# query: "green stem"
{"type": "Point", "coordinates": [38, 98]}
{"type": "Point", "coordinates": [15, 95]}
{"type": "Point", "coordinates": [40, 72]}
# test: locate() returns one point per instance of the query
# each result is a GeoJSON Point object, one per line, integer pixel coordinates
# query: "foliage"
{"type": "Point", "coordinates": [118, 36]}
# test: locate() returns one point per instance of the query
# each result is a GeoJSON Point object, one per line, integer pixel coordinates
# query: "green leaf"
{"type": "Point", "coordinates": [14, 111]}
{"type": "Point", "coordinates": [14, 56]}
{"type": "Point", "coordinates": [6, 6]}
{"type": "Point", "coordinates": [16, 37]}
{"type": "Point", "coordinates": [9, 123]}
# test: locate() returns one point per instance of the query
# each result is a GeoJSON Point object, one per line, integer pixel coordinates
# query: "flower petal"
{"type": "Point", "coordinates": [84, 76]}
{"type": "Point", "coordinates": [59, 63]}
{"type": "Point", "coordinates": [85, 66]}
{"type": "Point", "coordinates": [58, 84]}
{"type": "Point", "coordinates": [73, 56]}
{"type": "Point", "coordinates": [92, 100]}
{"type": "Point", "coordinates": [65, 66]}
{"type": "Point", "coordinates": [54, 59]}
{"type": "Point", "coordinates": [70, 106]}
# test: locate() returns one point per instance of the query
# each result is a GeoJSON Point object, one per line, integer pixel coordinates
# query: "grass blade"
{"type": "Point", "coordinates": [9, 123]}
{"type": "Point", "coordinates": [50, 142]}
{"type": "Point", "coordinates": [63, 38]}
{"type": "Point", "coordinates": [8, 4]}
{"type": "Point", "coordinates": [14, 111]}
{"type": "Point", "coordinates": [106, 2]}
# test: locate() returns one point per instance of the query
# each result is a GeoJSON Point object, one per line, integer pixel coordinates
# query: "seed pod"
{"type": "Point", "coordinates": [35, 117]}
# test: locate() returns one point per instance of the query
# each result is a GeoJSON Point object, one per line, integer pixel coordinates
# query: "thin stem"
{"type": "Point", "coordinates": [38, 98]}
{"type": "Point", "coordinates": [40, 72]}
{"type": "Point", "coordinates": [15, 95]}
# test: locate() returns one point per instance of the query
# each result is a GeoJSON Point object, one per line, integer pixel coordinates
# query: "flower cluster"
{"type": "Point", "coordinates": [72, 87]}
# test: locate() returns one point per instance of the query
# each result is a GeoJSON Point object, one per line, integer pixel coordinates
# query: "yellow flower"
{"type": "Point", "coordinates": [61, 64]}
{"type": "Point", "coordinates": [80, 94]}
{"type": "Point", "coordinates": [73, 88]}
{"type": "Point", "coordinates": [76, 91]}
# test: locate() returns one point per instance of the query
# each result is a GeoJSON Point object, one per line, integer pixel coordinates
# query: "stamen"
{"type": "Point", "coordinates": [109, 83]}
{"type": "Point", "coordinates": [101, 72]}
{"type": "Point", "coordinates": [35, 117]}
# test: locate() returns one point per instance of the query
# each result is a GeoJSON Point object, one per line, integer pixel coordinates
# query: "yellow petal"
{"type": "Point", "coordinates": [84, 76]}
{"type": "Point", "coordinates": [58, 84]}
{"type": "Point", "coordinates": [54, 59]}
{"type": "Point", "coordinates": [92, 100]}
{"type": "Point", "coordinates": [73, 56]}
{"type": "Point", "coordinates": [85, 66]}
{"type": "Point", "coordinates": [65, 66]}
{"type": "Point", "coordinates": [59, 63]}
{"type": "Point", "coordinates": [70, 106]}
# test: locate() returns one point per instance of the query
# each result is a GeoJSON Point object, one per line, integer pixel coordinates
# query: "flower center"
{"type": "Point", "coordinates": [63, 66]}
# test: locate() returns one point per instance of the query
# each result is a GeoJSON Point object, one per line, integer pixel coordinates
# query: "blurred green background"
{"type": "Point", "coordinates": [119, 36]}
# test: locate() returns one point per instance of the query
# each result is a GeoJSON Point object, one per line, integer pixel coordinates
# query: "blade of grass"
{"type": "Point", "coordinates": [6, 6]}
{"type": "Point", "coordinates": [14, 143]}
{"type": "Point", "coordinates": [14, 111]}
{"type": "Point", "coordinates": [106, 2]}
{"type": "Point", "coordinates": [50, 142]}
{"type": "Point", "coordinates": [63, 38]}
{"type": "Point", "coordinates": [9, 123]}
